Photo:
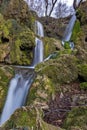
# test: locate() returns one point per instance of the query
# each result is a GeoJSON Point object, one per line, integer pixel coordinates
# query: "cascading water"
{"type": "Point", "coordinates": [69, 28]}
{"type": "Point", "coordinates": [39, 29]}
{"type": "Point", "coordinates": [17, 94]}
{"type": "Point", "coordinates": [68, 31]}
{"type": "Point", "coordinates": [38, 52]}
{"type": "Point", "coordinates": [22, 80]}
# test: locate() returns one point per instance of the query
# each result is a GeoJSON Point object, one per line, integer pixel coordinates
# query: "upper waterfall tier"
{"type": "Point", "coordinates": [69, 28]}
{"type": "Point", "coordinates": [39, 29]}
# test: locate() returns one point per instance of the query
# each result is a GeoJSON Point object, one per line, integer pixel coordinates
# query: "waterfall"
{"type": "Point", "coordinates": [69, 28]}
{"type": "Point", "coordinates": [39, 29]}
{"type": "Point", "coordinates": [38, 57]}
{"type": "Point", "coordinates": [17, 94]}
{"type": "Point", "coordinates": [38, 52]}
{"type": "Point", "coordinates": [68, 31]}
{"type": "Point", "coordinates": [20, 84]}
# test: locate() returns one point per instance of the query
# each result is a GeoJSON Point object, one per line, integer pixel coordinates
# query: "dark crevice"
{"type": "Point", "coordinates": [86, 39]}
{"type": "Point", "coordinates": [4, 39]}
{"type": "Point", "coordinates": [57, 49]}
{"type": "Point", "coordinates": [81, 79]}
{"type": "Point", "coordinates": [25, 48]}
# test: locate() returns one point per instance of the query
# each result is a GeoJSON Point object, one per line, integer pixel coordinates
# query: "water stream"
{"type": "Point", "coordinates": [21, 82]}
{"type": "Point", "coordinates": [68, 32]}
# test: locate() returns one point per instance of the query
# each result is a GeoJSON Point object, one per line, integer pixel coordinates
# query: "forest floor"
{"type": "Point", "coordinates": [71, 96]}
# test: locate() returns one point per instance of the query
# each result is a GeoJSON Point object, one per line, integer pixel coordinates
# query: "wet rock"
{"type": "Point", "coordinates": [29, 118]}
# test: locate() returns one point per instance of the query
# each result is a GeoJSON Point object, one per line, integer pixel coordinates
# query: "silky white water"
{"type": "Point", "coordinates": [69, 28]}
{"type": "Point", "coordinates": [38, 57]}
{"type": "Point", "coordinates": [39, 29]}
{"type": "Point", "coordinates": [68, 32]}
{"type": "Point", "coordinates": [20, 84]}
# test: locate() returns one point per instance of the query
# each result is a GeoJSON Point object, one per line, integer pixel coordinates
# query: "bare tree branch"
{"type": "Point", "coordinates": [53, 4]}
{"type": "Point", "coordinates": [75, 4]}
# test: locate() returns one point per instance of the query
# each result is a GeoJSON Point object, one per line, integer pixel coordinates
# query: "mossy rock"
{"type": "Point", "coordinates": [6, 74]}
{"type": "Point", "coordinates": [81, 55]}
{"type": "Point", "coordinates": [28, 118]}
{"type": "Point", "coordinates": [61, 70]}
{"type": "Point", "coordinates": [79, 34]}
{"type": "Point", "coordinates": [80, 38]}
{"type": "Point", "coordinates": [41, 91]}
{"type": "Point", "coordinates": [16, 42]}
{"type": "Point", "coordinates": [49, 76]}
{"type": "Point", "coordinates": [76, 119]}
{"type": "Point", "coordinates": [22, 48]}
{"type": "Point", "coordinates": [83, 85]}
{"type": "Point", "coordinates": [19, 11]}
{"type": "Point", "coordinates": [76, 31]}
{"type": "Point", "coordinates": [51, 45]}
{"type": "Point", "coordinates": [82, 13]}
{"type": "Point", "coordinates": [82, 69]}
{"type": "Point", "coordinates": [4, 37]}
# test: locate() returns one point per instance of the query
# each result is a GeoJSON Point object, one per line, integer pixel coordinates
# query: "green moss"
{"type": "Point", "coordinates": [19, 11]}
{"type": "Point", "coordinates": [4, 27]}
{"type": "Point", "coordinates": [66, 45]}
{"type": "Point", "coordinates": [83, 71]}
{"type": "Point", "coordinates": [28, 118]}
{"type": "Point", "coordinates": [50, 46]}
{"type": "Point", "coordinates": [57, 54]}
{"type": "Point", "coordinates": [61, 70]}
{"type": "Point", "coordinates": [76, 118]}
{"type": "Point", "coordinates": [22, 48]}
{"type": "Point", "coordinates": [5, 75]}
{"type": "Point", "coordinates": [75, 31]}
{"type": "Point", "coordinates": [41, 91]}
{"type": "Point", "coordinates": [83, 85]}
{"type": "Point", "coordinates": [24, 117]}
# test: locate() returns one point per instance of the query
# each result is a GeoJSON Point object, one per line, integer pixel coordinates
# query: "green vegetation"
{"type": "Point", "coordinates": [83, 85]}
{"type": "Point", "coordinates": [77, 118]}
{"type": "Point", "coordinates": [6, 74]}
{"type": "Point", "coordinates": [66, 45]}
{"type": "Point", "coordinates": [83, 71]}
{"type": "Point", "coordinates": [76, 31]}
{"type": "Point", "coordinates": [51, 45]}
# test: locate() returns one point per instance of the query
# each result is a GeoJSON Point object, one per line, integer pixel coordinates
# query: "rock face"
{"type": "Point", "coordinates": [58, 94]}
{"type": "Point", "coordinates": [17, 38]}
{"type": "Point", "coordinates": [80, 28]}
{"type": "Point", "coordinates": [54, 28]}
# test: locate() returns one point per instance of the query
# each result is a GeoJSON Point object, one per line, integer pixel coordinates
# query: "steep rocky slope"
{"type": "Point", "coordinates": [58, 95]}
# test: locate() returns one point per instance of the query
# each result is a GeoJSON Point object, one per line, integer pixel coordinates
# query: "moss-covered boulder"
{"type": "Point", "coordinates": [79, 34]}
{"type": "Point", "coordinates": [28, 118]}
{"type": "Point", "coordinates": [61, 70]}
{"type": "Point", "coordinates": [50, 75]}
{"type": "Point", "coordinates": [19, 11]}
{"type": "Point", "coordinates": [51, 45]}
{"type": "Point", "coordinates": [6, 74]}
{"type": "Point", "coordinates": [81, 55]}
{"type": "Point", "coordinates": [17, 38]}
{"type": "Point", "coordinates": [76, 119]}
{"type": "Point", "coordinates": [22, 48]}
{"type": "Point", "coordinates": [41, 91]}
{"type": "Point", "coordinates": [83, 72]}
